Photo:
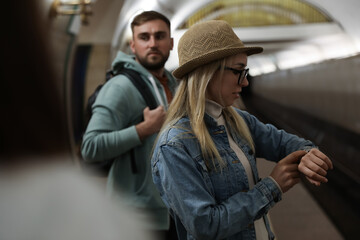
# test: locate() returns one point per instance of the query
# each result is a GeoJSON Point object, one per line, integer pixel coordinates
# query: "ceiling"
{"type": "Point", "coordinates": [298, 37]}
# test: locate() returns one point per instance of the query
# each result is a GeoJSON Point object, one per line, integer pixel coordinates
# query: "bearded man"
{"type": "Point", "coordinates": [121, 121]}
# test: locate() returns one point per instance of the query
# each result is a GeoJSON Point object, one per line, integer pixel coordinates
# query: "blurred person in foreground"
{"type": "Point", "coordinates": [43, 195]}
{"type": "Point", "coordinates": [204, 161]}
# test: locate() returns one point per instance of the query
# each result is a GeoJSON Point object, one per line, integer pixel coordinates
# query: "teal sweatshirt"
{"type": "Point", "coordinates": [111, 134]}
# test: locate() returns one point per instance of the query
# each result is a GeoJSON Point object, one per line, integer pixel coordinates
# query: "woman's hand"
{"type": "Point", "coordinates": [286, 173]}
{"type": "Point", "coordinates": [314, 165]}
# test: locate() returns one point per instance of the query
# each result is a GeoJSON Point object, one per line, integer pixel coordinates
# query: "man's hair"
{"type": "Point", "coordinates": [148, 16]}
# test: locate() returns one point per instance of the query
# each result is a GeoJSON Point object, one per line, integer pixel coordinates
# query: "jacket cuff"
{"type": "Point", "coordinates": [308, 148]}
{"type": "Point", "coordinates": [134, 139]}
{"type": "Point", "coordinates": [270, 189]}
{"type": "Point", "coordinates": [276, 184]}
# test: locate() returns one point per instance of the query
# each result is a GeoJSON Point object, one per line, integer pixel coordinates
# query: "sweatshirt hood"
{"type": "Point", "coordinates": [123, 60]}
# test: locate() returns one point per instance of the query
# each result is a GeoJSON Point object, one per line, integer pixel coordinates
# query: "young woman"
{"type": "Point", "coordinates": [204, 162]}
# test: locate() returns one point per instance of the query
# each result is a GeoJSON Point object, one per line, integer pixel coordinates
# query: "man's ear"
{"type": "Point", "coordinates": [172, 43]}
{"type": "Point", "coordinates": [132, 45]}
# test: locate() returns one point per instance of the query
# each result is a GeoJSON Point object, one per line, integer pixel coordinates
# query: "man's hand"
{"type": "Point", "coordinates": [153, 121]}
{"type": "Point", "coordinates": [286, 173]}
{"type": "Point", "coordinates": [314, 165]}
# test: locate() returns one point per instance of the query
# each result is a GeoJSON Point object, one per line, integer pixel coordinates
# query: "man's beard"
{"type": "Point", "coordinates": [152, 65]}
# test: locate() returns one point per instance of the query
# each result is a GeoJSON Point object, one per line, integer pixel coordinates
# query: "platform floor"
{"type": "Point", "coordinates": [298, 216]}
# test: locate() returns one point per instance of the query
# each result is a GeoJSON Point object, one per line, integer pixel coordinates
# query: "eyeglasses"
{"type": "Point", "coordinates": [242, 73]}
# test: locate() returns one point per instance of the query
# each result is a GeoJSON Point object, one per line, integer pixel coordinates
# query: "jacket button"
{"type": "Point", "coordinates": [276, 199]}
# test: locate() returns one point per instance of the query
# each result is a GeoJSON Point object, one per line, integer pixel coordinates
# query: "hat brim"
{"type": "Point", "coordinates": [189, 66]}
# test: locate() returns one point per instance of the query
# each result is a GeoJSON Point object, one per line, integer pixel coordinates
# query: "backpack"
{"type": "Point", "coordinates": [102, 168]}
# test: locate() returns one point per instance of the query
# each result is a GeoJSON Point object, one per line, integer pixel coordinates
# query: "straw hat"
{"type": "Point", "coordinates": [208, 41]}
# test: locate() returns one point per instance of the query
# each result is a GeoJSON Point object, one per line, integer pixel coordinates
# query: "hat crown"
{"type": "Point", "coordinates": [206, 42]}
{"type": "Point", "coordinates": [206, 37]}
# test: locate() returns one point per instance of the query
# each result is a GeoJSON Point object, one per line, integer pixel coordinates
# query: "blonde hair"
{"type": "Point", "coordinates": [189, 101]}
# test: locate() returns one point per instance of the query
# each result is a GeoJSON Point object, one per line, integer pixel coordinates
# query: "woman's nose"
{"type": "Point", "coordinates": [245, 82]}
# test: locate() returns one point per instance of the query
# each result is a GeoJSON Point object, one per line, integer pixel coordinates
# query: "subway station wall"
{"type": "Point", "coordinates": [329, 91]}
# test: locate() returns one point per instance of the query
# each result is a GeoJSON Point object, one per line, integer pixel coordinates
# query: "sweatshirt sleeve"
{"type": "Point", "coordinates": [111, 130]}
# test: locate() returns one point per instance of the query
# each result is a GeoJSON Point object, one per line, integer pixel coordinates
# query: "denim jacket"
{"type": "Point", "coordinates": [209, 204]}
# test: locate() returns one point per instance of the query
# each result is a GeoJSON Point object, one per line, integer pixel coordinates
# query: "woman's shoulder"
{"type": "Point", "coordinates": [177, 132]}
{"type": "Point", "coordinates": [249, 118]}
{"type": "Point", "coordinates": [241, 112]}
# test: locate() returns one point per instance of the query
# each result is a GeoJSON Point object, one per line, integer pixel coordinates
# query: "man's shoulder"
{"type": "Point", "coordinates": [118, 83]}
{"type": "Point", "coordinates": [123, 78]}
{"type": "Point", "coordinates": [118, 90]}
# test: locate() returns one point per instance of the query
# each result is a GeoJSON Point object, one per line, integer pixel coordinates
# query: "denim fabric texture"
{"type": "Point", "coordinates": [209, 204]}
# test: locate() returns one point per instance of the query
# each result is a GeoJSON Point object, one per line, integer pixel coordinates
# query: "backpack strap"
{"type": "Point", "coordinates": [148, 96]}
{"type": "Point", "coordinates": [142, 87]}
